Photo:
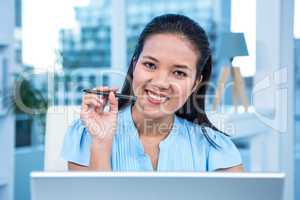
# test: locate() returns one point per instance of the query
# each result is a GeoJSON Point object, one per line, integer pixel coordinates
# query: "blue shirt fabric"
{"type": "Point", "coordinates": [184, 149]}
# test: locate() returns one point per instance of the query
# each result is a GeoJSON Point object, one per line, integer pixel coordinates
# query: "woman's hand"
{"type": "Point", "coordinates": [100, 124]}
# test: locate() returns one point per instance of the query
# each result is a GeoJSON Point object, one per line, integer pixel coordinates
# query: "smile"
{"type": "Point", "coordinates": [155, 98]}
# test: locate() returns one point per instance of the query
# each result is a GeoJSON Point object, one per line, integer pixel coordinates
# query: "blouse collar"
{"type": "Point", "coordinates": [130, 123]}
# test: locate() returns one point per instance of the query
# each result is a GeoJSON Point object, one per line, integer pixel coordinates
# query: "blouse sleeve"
{"type": "Point", "coordinates": [76, 145]}
{"type": "Point", "coordinates": [226, 155]}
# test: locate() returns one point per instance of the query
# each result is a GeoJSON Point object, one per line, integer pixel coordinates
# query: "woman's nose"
{"type": "Point", "coordinates": [161, 80]}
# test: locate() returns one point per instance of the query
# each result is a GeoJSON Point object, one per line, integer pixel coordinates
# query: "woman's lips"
{"type": "Point", "coordinates": [154, 98]}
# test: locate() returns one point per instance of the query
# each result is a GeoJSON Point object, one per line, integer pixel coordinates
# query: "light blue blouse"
{"type": "Point", "coordinates": [184, 149]}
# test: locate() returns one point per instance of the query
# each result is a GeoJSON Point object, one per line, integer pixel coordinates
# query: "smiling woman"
{"type": "Point", "coordinates": [166, 128]}
{"type": "Point", "coordinates": [164, 75]}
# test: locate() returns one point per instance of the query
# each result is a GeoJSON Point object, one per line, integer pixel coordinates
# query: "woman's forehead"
{"type": "Point", "coordinates": [172, 47]}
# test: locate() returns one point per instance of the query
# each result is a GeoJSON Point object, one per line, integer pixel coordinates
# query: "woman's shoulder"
{"type": "Point", "coordinates": [215, 135]}
{"type": "Point", "coordinates": [75, 147]}
{"type": "Point", "coordinates": [188, 126]}
{"type": "Point", "coordinates": [220, 150]}
{"type": "Point", "coordinates": [77, 127]}
{"type": "Point", "coordinates": [77, 140]}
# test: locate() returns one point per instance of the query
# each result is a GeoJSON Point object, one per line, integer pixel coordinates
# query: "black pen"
{"type": "Point", "coordinates": [122, 96]}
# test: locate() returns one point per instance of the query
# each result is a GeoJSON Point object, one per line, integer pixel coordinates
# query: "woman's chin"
{"type": "Point", "coordinates": [154, 113]}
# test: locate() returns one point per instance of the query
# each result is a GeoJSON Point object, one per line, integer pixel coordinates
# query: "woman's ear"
{"type": "Point", "coordinates": [196, 84]}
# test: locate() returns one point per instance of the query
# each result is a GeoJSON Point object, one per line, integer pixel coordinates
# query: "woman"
{"type": "Point", "coordinates": [166, 128]}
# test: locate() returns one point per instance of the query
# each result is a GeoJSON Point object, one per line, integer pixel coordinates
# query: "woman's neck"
{"type": "Point", "coordinates": [149, 127]}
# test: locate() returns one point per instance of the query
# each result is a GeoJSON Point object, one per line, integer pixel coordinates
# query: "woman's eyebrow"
{"type": "Point", "coordinates": [176, 65]}
{"type": "Point", "coordinates": [183, 67]}
{"type": "Point", "coordinates": [151, 58]}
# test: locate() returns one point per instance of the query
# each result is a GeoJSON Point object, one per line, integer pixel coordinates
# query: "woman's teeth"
{"type": "Point", "coordinates": [156, 97]}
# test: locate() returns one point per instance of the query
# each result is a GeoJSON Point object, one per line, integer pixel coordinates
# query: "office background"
{"type": "Point", "coordinates": [54, 49]}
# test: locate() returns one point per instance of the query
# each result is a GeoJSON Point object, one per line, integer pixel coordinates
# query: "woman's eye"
{"type": "Point", "coordinates": [150, 65]}
{"type": "Point", "coordinates": [180, 74]}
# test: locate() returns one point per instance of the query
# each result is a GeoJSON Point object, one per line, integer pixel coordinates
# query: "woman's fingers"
{"type": "Point", "coordinates": [91, 100]}
{"type": "Point", "coordinates": [103, 101]}
{"type": "Point", "coordinates": [113, 103]}
{"type": "Point", "coordinates": [84, 107]}
{"type": "Point", "coordinates": [99, 102]}
{"type": "Point", "coordinates": [106, 89]}
{"type": "Point", "coordinates": [114, 89]}
{"type": "Point", "coordinates": [103, 89]}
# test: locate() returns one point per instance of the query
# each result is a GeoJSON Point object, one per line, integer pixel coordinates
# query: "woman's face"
{"type": "Point", "coordinates": [164, 75]}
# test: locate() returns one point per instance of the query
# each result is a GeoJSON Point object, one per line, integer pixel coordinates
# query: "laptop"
{"type": "Point", "coordinates": [156, 185]}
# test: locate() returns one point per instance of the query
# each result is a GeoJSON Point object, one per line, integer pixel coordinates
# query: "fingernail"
{"type": "Point", "coordinates": [101, 101]}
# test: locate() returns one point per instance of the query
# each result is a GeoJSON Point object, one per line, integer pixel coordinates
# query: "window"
{"type": "Point", "coordinates": [243, 19]}
{"type": "Point", "coordinates": [105, 80]}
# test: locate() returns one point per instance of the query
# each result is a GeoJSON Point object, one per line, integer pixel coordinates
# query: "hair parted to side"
{"type": "Point", "coordinates": [194, 108]}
